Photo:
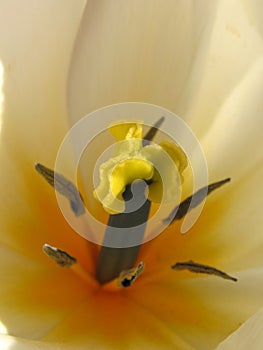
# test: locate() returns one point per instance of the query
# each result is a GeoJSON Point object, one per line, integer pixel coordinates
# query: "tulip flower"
{"type": "Point", "coordinates": [59, 61]}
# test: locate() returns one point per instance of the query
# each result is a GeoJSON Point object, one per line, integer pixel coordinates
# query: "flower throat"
{"type": "Point", "coordinates": [122, 193]}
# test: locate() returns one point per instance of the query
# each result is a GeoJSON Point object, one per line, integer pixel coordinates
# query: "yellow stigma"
{"type": "Point", "coordinates": [132, 161]}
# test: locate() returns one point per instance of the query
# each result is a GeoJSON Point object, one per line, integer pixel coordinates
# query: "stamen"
{"type": "Point", "coordinates": [128, 277]}
{"type": "Point", "coordinates": [61, 257]}
{"type": "Point", "coordinates": [200, 268]}
{"type": "Point", "coordinates": [181, 210]}
{"type": "Point", "coordinates": [153, 130]}
{"type": "Point", "coordinates": [64, 187]}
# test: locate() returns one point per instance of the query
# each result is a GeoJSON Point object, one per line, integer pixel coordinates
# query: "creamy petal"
{"type": "Point", "coordinates": [254, 10]}
{"type": "Point", "coordinates": [226, 56]}
{"type": "Point", "coordinates": [14, 343]}
{"type": "Point", "coordinates": [34, 298]}
{"type": "Point", "coordinates": [138, 51]}
{"type": "Point", "coordinates": [36, 41]}
{"type": "Point", "coordinates": [112, 321]}
{"type": "Point", "coordinates": [202, 311]}
{"type": "Point", "coordinates": [248, 336]}
{"type": "Point", "coordinates": [36, 46]}
{"type": "Point", "coordinates": [227, 235]}
{"type": "Point", "coordinates": [186, 58]}
{"type": "Point", "coordinates": [234, 145]}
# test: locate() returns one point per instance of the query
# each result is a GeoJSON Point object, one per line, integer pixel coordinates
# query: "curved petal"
{"type": "Point", "coordinates": [14, 343]}
{"type": "Point", "coordinates": [202, 311]}
{"type": "Point", "coordinates": [34, 298]}
{"type": "Point", "coordinates": [113, 321]}
{"type": "Point", "coordinates": [234, 144]}
{"type": "Point", "coordinates": [36, 40]}
{"type": "Point", "coordinates": [234, 47]}
{"type": "Point", "coordinates": [254, 10]}
{"type": "Point", "coordinates": [36, 45]}
{"type": "Point", "coordinates": [227, 235]}
{"type": "Point", "coordinates": [184, 57]}
{"type": "Point", "coordinates": [248, 336]}
{"type": "Point", "coordinates": [138, 51]}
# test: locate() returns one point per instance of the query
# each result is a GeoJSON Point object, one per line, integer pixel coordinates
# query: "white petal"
{"type": "Point", "coordinates": [229, 231]}
{"type": "Point", "coordinates": [228, 234]}
{"type": "Point", "coordinates": [254, 10]}
{"type": "Point", "coordinates": [36, 44]}
{"type": "Point", "coordinates": [232, 49]}
{"type": "Point", "coordinates": [142, 50]}
{"type": "Point", "coordinates": [186, 58]}
{"type": "Point", "coordinates": [35, 298]}
{"type": "Point", "coordinates": [36, 41]}
{"type": "Point", "coordinates": [234, 143]}
{"type": "Point", "coordinates": [248, 336]}
{"type": "Point", "coordinates": [14, 343]}
{"type": "Point", "coordinates": [202, 311]}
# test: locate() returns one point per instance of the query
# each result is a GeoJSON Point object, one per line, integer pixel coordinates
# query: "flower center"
{"type": "Point", "coordinates": [136, 164]}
